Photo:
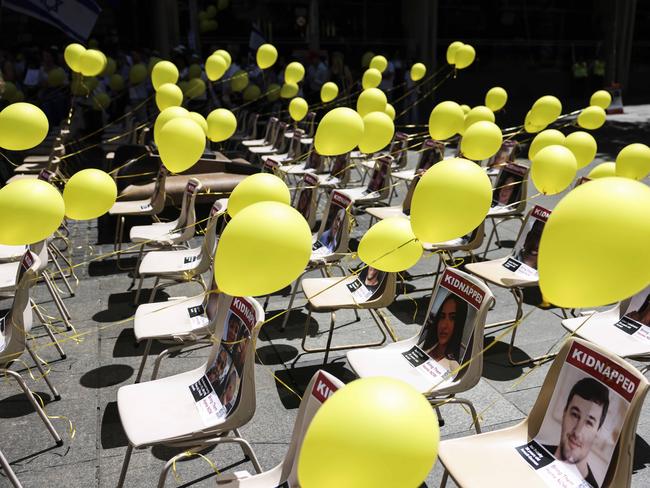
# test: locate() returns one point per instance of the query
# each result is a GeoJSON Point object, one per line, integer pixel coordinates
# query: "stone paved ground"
{"type": "Point", "coordinates": [106, 359]}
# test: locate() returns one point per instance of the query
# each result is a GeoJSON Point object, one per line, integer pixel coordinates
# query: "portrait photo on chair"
{"type": "Point", "coordinates": [446, 335]}
{"type": "Point", "coordinates": [508, 186]}
{"type": "Point", "coordinates": [304, 201]}
{"type": "Point", "coordinates": [367, 285]}
{"type": "Point", "coordinates": [526, 248]}
{"type": "Point", "coordinates": [432, 152]}
{"type": "Point", "coordinates": [506, 153]}
{"type": "Point", "coordinates": [635, 320]}
{"type": "Point", "coordinates": [583, 421]}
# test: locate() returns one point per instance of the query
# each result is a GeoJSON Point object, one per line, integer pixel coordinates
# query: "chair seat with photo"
{"type": "Point", "coordinates": [431, 153]}
{"type": "Point", "coordinates": [622, 330]}
{"type": "Point", "coordinates": [202, 407]}
{"type": "Point", "coordinates": [321, 386]}
{"type": "Point", "coordinates": [397, 150]}
{"type": "Point", "coordinates": [451, 338]}
{"type": "Point", "coordinates": [379, 188]}
{"type": "Point", "coordinates": [370, 290]}
{"type": "Point", "coordinates": [293, 153]}
{"type": "Point", "coordinates": [580, 431]}
{"type": "Point", "coordinates": [277, 145]}
{"type": "Point", "coordinates": [516, 271]}
{"type": "Point", "coordinates": [337, 172]}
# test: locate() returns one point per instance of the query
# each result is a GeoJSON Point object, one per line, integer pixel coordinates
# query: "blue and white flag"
{"type": "Point", "coordinates": [74, 17]}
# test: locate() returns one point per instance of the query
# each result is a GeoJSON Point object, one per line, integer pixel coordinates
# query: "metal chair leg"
{"type": "Point", "coordinates": [61, 273]}
{"type": "Point", "coordinates": [35, 404]}
{"type": "Point", "coordinates": [51, 335]}
{"type": "Point", "coordinates": [154, 289]}
{"type": "Point", "coordinates": [293, 297]}
{"type": "Point", "coordinates": [39, 366]}
{"type": "Point", "coordinates": [445, 477]}
{"type": "Point", "coordinates": [248, 450]}
{"type": "Point", "coordinates": [63, 311]}
{"type": "Point", "coordinates": [145, 354]}
{"type": "Point", "coordinates": [125, 466]}
{"type": "Point", "coordinates": [136, 300]}
{"type": "Point", "coordinates": [136, 270]}
{"type": "Point", "coordinates": [9, 473]}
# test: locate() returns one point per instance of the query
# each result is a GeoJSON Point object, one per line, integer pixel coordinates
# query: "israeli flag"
{"type": "Point", "coordinates": [74, 17]}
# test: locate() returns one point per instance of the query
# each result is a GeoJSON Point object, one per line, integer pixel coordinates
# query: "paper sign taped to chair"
{"type": "Point", "coordinates": [197, 316]}
{"type": "Point", "coordinates": [636, 318]}
{"type": "Point", "coordinates": [207, 402]}
{"type": "Point", "coordinates": [367, 285]}
{"type": "Point", "coordinates": [422, 362]}
{"type": "Point", "coordinates": [583, 421]}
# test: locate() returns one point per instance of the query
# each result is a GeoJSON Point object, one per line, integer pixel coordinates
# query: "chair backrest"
{"type": "Point", "coordinates": [271, 124]}
{"type": "Point", "coordinates": [408, 198]}
{"type": "Point", "coordinates": [252, 125]}
{"type": "Point", "coordinates": [452, 333]}
{"type": "Point", "coordinates": [511, 186]}
{"type": "Point", "coordinates": [295, 147]}
{"type": "Point", "coordinates": [507, 153]}
{"type": "Point", "coordinates": [307, 198]}
{"type": "Point", "coordinates": [523, 258]}
{"type": "Point", "coordinates": [18, 320]}
{"type": "Point", "coordinates": [157, 200]}
{"type": "Point", "coordinates": [322, 386]}
{"type": "Point", "coordinates": [280, 142]}
{"type": "Point", "coordinates": [334, 233]}
{"type": "Point", "coordinates": [209, 244]}
{"type": "Point", "coordinates": [309, 123]}
{"type": "Point", "coordinates": [314, 160]}
{"type": "Point", "coordinates": [372, 288]}
{"type": "Point", "coordinates": [398, 150]}
{"type": "Point", "coordinates": [339, 167]}
{"type": "Point", "coordinates": [606, 393]}
{"type": "Point", "coordinates": [431, 152]}
{"type": "Point", "coordinates": [380, 180]}
{"type": "Point", "coordinates": [187, 218]}
{"type": "Point", "coordinates": [228, 387]}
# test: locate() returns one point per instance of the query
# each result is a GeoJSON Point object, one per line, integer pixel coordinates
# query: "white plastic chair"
{"type": "Point", "coordinates": [431, 152]}
{"type": "Point", "coordinates": [185, 410]}
{"type": "Point", "coordinates": [320, 388]}
{"type": "Point", "coordinates": [13, 328]}
{"type": "Point", "coordinates": [294, 151]}
{"type": "Point", "coordinates": [269, 135]}
{"type": "Point", "coordinates": [379, 187]}
{"type": "Point", "coordinates": [397, 150]}
{"type": "Point", "coordinates": [9, 473]}
{"type": "Point", "coordinates": [454, 342]}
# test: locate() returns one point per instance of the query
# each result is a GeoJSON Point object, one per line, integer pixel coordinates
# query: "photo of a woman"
{"type": "Point", "coordinates": [442, 332]}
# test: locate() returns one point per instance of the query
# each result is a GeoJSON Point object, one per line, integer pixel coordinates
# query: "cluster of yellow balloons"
{"type": "Point", "coordinates": [460, 55]}
{"type": "Point", "coordinates": [293, 74]}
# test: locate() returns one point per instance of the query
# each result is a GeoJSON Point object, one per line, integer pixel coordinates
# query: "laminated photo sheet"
{"type": "Point", "coordinates": [508, 188]}
{"type": "Point", "coordinates": [328, 242]}
{"type": "Point", "coordinates": [368, 284]}
{"type": "Point", "coordinates": [523, 260]}
{"type": "Point", "coordinates": [446, 337]}
{"type": "Point", "coordinates": [379, 176]}
{"type": "Point", "coordinates": [583, 421]}
{"type": "Point", "coordinates": [636, 318]}
{"type": "Point", "coordinates": [216, 393]}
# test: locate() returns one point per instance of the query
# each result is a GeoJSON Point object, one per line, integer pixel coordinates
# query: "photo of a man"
{"type": "Point", "coordinates": [331, 237]}
{"type": "Point", "coordinates": [584, 413]}
{"type": "Point", "coordinates": [371, 278]}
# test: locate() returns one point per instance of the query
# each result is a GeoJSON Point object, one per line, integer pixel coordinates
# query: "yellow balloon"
{"type": "Point", "coordinates": [222, 124]}
{"type": "Point", "coordinates": [592, 117]}
{"type": "Point", "coordinates": [72, 56]}
{"type": "Point", "coordinates": [457, 180]}
{"type": "Point", "coordinates": [390, 245]}
{"type": "Point", "coordinates": [56, 77]}
{"type": "Point", "coordinates": [199, 119]}
{"type": "Point", "coordinates": [182, 142]}
{"type": "Point", "coordinates": [266, 56]}
{"type": "Point", "coordinates": [596, 221]}
{"type": "Point", "coordinates": [165, 116]}
{"type": "Point", "coordinates": [225, 55]}
{"type": "Point", "coordinates": [215, 67]}
{"type": "Point", "coordinates": [273, 92]}
{"type": "Point", "coordinates": [298, 109]}
{"type": "Point", "coordinates": [378, 132]}
{"type": "Point", "coordinates": [252, 92]}
{"type": "Point", "coordinates": [545, 138]}
{"type": "Point", "coordinates": [603, 170]}
{"type": "Point", "coordinates": [451, 51]}
{"type": "Point", "coordinates": [371, 100]}
{"type": "Point", "coordinates": [277, 229]}
{"type": "Point", "coordinates": [366, 58]}
{"type": "Point", "coordinates": [465, 56]}
{"type": "Point", "coordinates": [22, 126]}
{"type": "Point", "coordinates": [239, 81]}
{"type": "Point", "coordinates": [601, 98]}
{"type": "Point", "coordinates": [289, 90]}
{"type": "Point", "coordinates": [92, 62]}
{"type": "Point", "coordinates": [481, 140]}
{"type": "Point", "coordinates": [195, 88]}
{"type": "Point", "coordinates": [553, 169]}
{"type": "Point", "coordinates": [30, 211]}
{"type": "Point", "coordinates": [371, 78]}
{"type": "Point", "coordinates": [89, 194]}
{"type": "Point", "coordinates": [338, 132]}
{"type": "Point", "coordinates": [466, 108]}
{"type": "Point", "coordinates": [418, 71]}
{"type": "Point", "coordinates": [545, 110]}
{"type": "Point", "coordinates": [530, 127]}
{"type": "Point", "coordinates": [446, 120]}
{"type": "Point", "coordinates": [390, 111]}
{"type": "Point", "coordinates": [162, 73]}
{"type": "Point", "coordinates": [583, 146]}
{"type": "Point", "coordinates": [168, 95]}
{"type": "Point", "coordinates": [379, 62]}
{"type": "Point", "coordinates": [476, 114]}
{"type": "Point", "coordinates": [137, 74]}
{"type": "Point", "coordinates": [496, 98]}
{"type": "Point", "coordinates": [294, 72]}
{"type": "Point", "coordinates": [379, 432]}
{"type": "Point", "coordinates": [260, 187]}
{"type": "Point", "coordinates": [328, 92]}
{"type": "Point", "coordinates": [116, 82]}
{"type": "Point", "coordinates": [633, 161]}
{"type": "Point", "coordinates": [101, 101]}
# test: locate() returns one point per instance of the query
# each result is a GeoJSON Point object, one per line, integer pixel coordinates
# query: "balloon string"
{"type": "Point", "coordinates": [423, 97]}
{"type": "Point", "coordinates": [107, 141]}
